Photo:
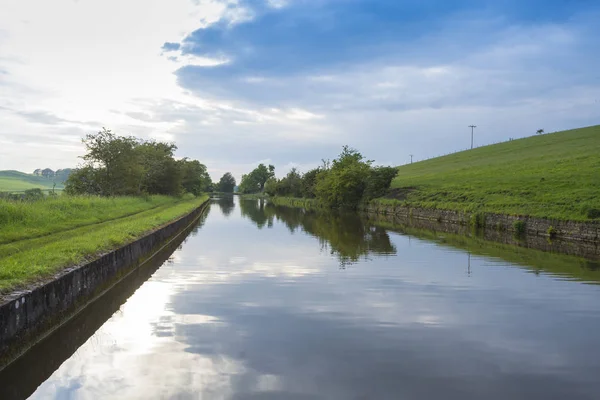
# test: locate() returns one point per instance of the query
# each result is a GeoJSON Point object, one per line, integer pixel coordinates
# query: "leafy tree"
{"type": "Point", "coordinates": [255, 181]}
{"type": "Point", "coordinates": [118, 165]}
{"type": "Point", "coordinates": [162, 174]}
{"type": "Point", "coordinates": [226, 183]}
{"type": "Point", "coordinates": [309, 181]}
{"type": "Point", "coordinates": [379, 182]}
{"type": "Point", "coordinates": [539, 131]}
{"type": "Point", "coordinates": [195, 178]}
{"type": "Point", "coordinates": [343, 184]}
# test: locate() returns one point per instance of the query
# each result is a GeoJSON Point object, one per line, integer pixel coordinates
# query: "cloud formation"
{"type": "Point", "coordinates": [235, 82]}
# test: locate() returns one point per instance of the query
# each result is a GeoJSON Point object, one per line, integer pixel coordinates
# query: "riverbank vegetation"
{"type": "Point", "coordinates": [125, 188]}
{"type": "Point", "coordinates": [124, 165]}
{"type": "Point", "coordinates": [343, 183]}
{"type": "Point", "coordinates": [32, 258]}
{"type": "Point", "coordinates": [29, 219]}
{"type": "Point", "coordinates": [553, 175]}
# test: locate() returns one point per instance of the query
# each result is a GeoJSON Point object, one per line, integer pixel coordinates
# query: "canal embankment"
{"type": "Point", "coordinates": [44, 302]}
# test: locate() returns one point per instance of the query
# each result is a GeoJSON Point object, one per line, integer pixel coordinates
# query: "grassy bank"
{"type": "Point", "coordinates": [555, 175]}
{"type": "Point", "coordinates": [26, 220]}
{"type": "Point", "coordinates": [29, 260]}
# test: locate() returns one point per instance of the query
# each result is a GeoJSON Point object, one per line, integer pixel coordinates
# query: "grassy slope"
{"type": "Point", "coordinates": [26, 261]}
{"type": "Point", "coordinates": [554, 175]}
{"type": "Point", "coordinates": [26, 220]}
{"type": "Point", "coordinates": [15, 181]}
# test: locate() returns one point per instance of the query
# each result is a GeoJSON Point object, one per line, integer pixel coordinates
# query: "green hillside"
{"type": "Point", "coordinates": [15, 181]}
{"type": "Point", "coordinates": [554, 175]}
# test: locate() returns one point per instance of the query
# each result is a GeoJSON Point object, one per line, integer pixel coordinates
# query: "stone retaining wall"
{"type": "Point", "coordinates": [565, 230]}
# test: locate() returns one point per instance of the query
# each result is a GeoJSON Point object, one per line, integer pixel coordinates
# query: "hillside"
{"type": "Point", "coordinates": [554, 175]}
{"type": "Point", "coordinates": [15, 181]}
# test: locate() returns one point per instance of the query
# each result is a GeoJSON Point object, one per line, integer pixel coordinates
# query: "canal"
{"type": "Point", "coordinates": [262, 302]}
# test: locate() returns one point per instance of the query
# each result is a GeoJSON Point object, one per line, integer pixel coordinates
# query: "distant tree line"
{"type": "Point", "coordinates": [343, 183]}
{"type": "Point", "coordinates": [124, 165]}
{"type": "Point", "coordinates": [60, 175]}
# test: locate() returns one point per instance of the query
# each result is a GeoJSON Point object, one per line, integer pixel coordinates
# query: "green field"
{"type": "Point", "coordinates": [554, 175]}
{"type": "Point", "coordinates": [15, 181]}
{"type": "Point", "coordinates": [32, 248]}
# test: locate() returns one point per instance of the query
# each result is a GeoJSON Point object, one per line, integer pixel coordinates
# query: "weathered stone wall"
{"type": "Point", "coordinates": [26, 314]}
{"type": "Point", "coordinates": [565, 230]}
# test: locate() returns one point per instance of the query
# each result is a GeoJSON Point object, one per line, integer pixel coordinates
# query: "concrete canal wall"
{"type": "Point", "coordinates": [27, 315]}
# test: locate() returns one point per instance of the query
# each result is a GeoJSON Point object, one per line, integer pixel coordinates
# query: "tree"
{"type": "Point", "coordinates": [540, 131]}
{"type": "Point", "coordinates": [255, 181]}
{"type": "Point", "coordinates": [119, 165]}
{"type": "Point", "coordinates": [344, 183]}
{"type": "Point", "coordinates": [195, 178]}
{"type": "Point", "coordinates": [226, 183]}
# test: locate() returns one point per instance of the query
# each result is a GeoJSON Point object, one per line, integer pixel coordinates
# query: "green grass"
{"type": "Point", "coordinates": [27, 261]}
{"type": "Point", "coordinates": [15, 181]}
{"type": "Point", "coordinates": [26, 220]}
{"type": "Point", "coordinates": [555, 175]}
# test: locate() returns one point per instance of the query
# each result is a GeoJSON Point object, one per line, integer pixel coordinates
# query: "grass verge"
{"type": "Point", "coordinates": [555, 175]}
{"type": "Point", "coordinates": [21, 220]}
{"type": "Point", "coordinates": [27, 261]}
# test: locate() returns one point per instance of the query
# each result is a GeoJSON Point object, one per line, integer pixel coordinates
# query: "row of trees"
{"type": "Point", "coordinates": [342, 183]}
{"type": "Point", "coordinates": [124, 165]}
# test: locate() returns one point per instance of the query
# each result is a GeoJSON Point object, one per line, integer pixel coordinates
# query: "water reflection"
{"type": "Point", "coordinates": [348, 236]}
{"type": "Point", "coordinates": [246, 313]}
{"type": "Point", "coordinates": [226, 204]}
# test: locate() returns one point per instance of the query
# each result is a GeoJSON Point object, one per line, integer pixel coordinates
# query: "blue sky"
{"type": "Point", "coordinates": [235, 83]}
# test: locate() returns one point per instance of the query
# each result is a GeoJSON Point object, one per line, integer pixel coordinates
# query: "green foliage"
{"type": "Point", "coordinates": [309, 183]}
{"type": "Point", "coordinates": [226, 183]}
{"type": "Point", "coordinates": [552, 232]}
{"type": "Point", "coordinates": [119, 165]}
{"type": "Point", "coordinates": [195, 178]}
{"type": "Point", "coordinates": [506, 178]}
{"type": "Point", "coordinates": [255, 181]}
{"type": "Point", "coordinates": [379, 182]}
{"type": "Point", "coordinates": [519, 227]}
{"type": "Point", "coordinates": [343, 185]}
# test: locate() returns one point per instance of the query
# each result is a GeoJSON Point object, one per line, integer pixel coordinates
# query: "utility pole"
{"type": "Point", "coordinates": [472, 127]}
{"type": "Point", "coordinates": [411, 156]}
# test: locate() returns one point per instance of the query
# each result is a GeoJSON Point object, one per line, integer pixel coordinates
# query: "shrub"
{"type": "Point", "coordinates": [519, 227]}
{"type": "Point", "coordinates": [552, 232]}
{"type": "Point", "coordinates": [593, 213]}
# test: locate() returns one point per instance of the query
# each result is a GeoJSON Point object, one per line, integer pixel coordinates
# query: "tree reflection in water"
{"type": "Point", "coordinates": [345, 235]}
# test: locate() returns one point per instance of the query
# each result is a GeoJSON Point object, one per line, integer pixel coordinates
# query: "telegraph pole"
{"type": "Point", "coordinates": [411, 156]}
{"type": "Point", "coordinates": [472, 128]}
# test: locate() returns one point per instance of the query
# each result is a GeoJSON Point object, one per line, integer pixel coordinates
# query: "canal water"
{"type": "Point", "coordinates": [261, 302]}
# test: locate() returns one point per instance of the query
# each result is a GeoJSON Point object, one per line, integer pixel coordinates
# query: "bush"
{"type": "Point", "coordinates": [593, 213]}
{"type": "Point", "coordinates": [379, 182]}
{"type": "Point", "coordinates": [520, 227]}
{"type": "Point", "coordinates": [552, 232]}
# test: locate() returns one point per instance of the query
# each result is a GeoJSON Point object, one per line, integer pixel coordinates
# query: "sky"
{"type": "Point", "coordinates": [289, 82]}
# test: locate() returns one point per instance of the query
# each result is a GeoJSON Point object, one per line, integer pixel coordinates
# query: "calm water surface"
{"type": "Point", "coordinates": [266, 303]}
